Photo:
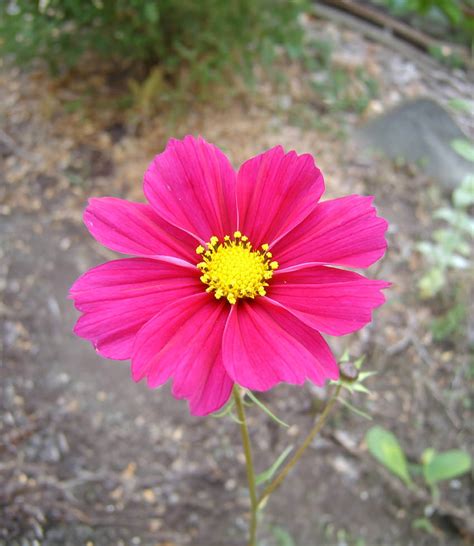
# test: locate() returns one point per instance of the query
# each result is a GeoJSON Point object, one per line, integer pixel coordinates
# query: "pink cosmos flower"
{"type": "Point", "coordinates": [233, 278]}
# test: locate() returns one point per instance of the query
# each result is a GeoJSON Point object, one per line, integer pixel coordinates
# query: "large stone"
{"type": "Point", "coordinates": [418, 131]}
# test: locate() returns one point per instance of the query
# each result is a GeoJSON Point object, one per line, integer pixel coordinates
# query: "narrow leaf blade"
{"type": "Point", "coordinates": [355, 410]}
{"type": "Point", "coordinates": [384, 446]}
{"type": "Point", "coordinates": [268, 474]}
{"type": "Point", "coordinates": [446, 466]}
{"type": "Point", "coordinates": [283, 537]}
{"type": "Point", "coordinates": [225, 411]}
{"type": "Point", "coordinates": [262, 406]}
{"type": "Point", "coordinates": [464, 148]}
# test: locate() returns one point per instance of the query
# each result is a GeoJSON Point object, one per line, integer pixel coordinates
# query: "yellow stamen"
{"type": "Point", "coordinates": [233, 269]}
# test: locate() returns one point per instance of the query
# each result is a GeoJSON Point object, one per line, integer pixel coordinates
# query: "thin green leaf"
{"type": "Point", "coordinates": [268, 474]}
{"type": "Point", "coordinates": [364, 375]}
{"type": "Point", "coordinates": [464, 195]}
{"type": "Point", "coordinates": [424, 524]}
{"type": "Point", "coordinates": [424, 247]}
{"type": "Point", "coordinates": [446, 466]}
{"type": "Point", "coordinates": [262, 406]}
{"type": "Point", "coordinates": [358, 387]}
{"type": "Point", "coordinates": [345, 357]}
{"type": "Point", "coordinates": [283, 537]}
{"type": "Point", "coordinates": [235, 419]}
{"type": "Point", "coordinates": [462, 105]}
{"type": "Point", "coordinates": [344, 384]}
{"type": "Point", "coordinates": [427, 456]}
{"type": "Point", "coordinates": [464, 148]}
{"type": "Point", "coordinates": [224, 412]}
{"type": "Point", "coordinates": [357, 411]}
{"type": "Point", "coordinates": [358, 363]}
{"type": "Point", "coordinates": [384, 446]}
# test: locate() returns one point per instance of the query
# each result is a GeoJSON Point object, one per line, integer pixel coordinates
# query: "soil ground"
{"type": "Point", "coordinates": [88, 457]}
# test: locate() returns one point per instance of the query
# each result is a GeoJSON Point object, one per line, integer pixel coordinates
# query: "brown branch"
{"type": "Point", "coordinates": [415, 37]}
{"type": "Point", "coordinates": [376, 34]}
{"type": "Point", "coordinates": [386, 29]}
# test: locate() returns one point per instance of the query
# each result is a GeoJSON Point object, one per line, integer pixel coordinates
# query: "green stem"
{"type": "Point", "coordinates": [274, 484]}
{"type": "Point", "coordinates": [249, 466]}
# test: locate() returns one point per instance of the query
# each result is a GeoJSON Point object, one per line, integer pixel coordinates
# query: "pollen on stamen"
{"type": "Point", "coordinates": [233, 269]}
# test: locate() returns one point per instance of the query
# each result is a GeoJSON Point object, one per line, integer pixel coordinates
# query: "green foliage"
{"type": "Point", "coordinates": [282, 537]}
{"type": "Point", "coordinates": [147, 95]}
{"type": "Point", "coordinates": [450, 57]}
{"type": "Point", "coordinates": [462, 105]}
{"type": "Point", "coordinates": [449, 11]}
{"type": "Point", "coordinates": [436, 467]}
{"type": "Point", "coordinates": [447, 325]}
{"type": "Point", "coordinates": [340, 536]}
{"type": "Point", "coordinates": [341, 89]}
{"type": "Point", "coordinates": [194, 43]}
{"type": "Point", "coordinates": [450, 247]}
{"type": "Point", "coordinates": [385, 447]}
{"type": "Point", "coordinates": [268, 474]}
{"type": "Point", "coordinates": [464, 148]}
{"type": "Point", "coordinates": [264, 408]}
{"type": "Point", "coordinates": [450, 8]}
{"type": "Point", "coordinates": [463, 197]}
{"type": "Point", "coordinates": [227, 411]}
{"type": "Point", "coordinates": [424, 524]}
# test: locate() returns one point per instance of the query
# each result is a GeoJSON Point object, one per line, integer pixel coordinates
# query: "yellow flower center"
{"type": "Point", "coordinates": [233, 269]}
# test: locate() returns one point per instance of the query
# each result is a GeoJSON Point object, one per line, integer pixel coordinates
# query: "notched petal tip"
{"type": "Point", "coordinates": [331, 300]}
{"type": "Point", "coordinates": [192, 174]}
{"type": "Point", "coordinates": [275, 192]}
{"type": "Point", "coordinates": [344, 231]}
{"type": "Point", "coordinates": [136, 229]}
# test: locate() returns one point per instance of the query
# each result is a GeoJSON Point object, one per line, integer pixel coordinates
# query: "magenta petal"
{"type": "Point", "coordinates": [331, 300]}
{"type": "Point", "coordinates": [192, 186]}
{"type": "Point", "coordinates": [345, 231]}
{"type": "Point", "coordinates": [264, 345]}
{"type": "Point", "coordinates": [184, 342]}
{"type": "Point", "coordinates": [275, 192]}
{"type": "Point", "coordinates": [119, 297]}
{"type": "Point", "coordinates": [135, 228]}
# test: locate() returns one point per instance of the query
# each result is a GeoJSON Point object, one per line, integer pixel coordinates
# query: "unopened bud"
{"type": "Point", "coordinates": [348, 371]}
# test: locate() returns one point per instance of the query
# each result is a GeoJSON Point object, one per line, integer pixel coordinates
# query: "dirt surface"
{"type": "Point", "coordinates": [88, 457]}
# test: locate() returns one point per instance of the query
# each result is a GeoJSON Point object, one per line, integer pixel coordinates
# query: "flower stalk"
{"type": "Point", "coordinates": [249, 466]}
{"type": "Point", "coordinates": [275, 483]}
{"type": "Point", "coordinates": [258, 502]}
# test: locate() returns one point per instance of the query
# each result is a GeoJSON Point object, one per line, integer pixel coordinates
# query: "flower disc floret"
{"type": "Point", "coordinates": [233, 269]}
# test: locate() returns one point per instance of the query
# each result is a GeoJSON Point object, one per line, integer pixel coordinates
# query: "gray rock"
{"type": "Point", "coordinates": [418, 131]}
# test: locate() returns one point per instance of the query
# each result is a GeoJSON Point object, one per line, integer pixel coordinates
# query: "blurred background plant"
{"type": "Point", "coordinates": [449, 252]}
{"type": "Point", "coordinates": [457, 14]}
{"type": "Point", "coordinates": [450, 248]}
{"type": "Point", "coordinates": [338, 88]}
{"type": "Point", "coordinates": [194, 43]}
{"type": "Point", "coordinates": [433, 468]}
